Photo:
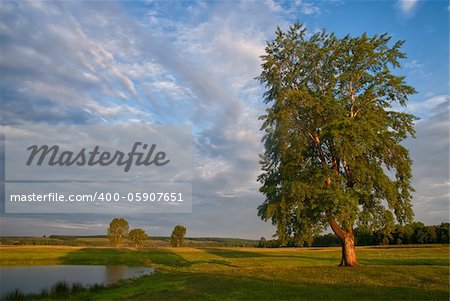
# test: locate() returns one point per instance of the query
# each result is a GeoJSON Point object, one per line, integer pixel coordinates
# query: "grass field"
{"type": "Point", "coordinates": [387, 273]}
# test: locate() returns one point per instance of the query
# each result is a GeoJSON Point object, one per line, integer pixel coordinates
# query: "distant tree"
{"type": "Point", "coordinates": [137, 236]}
{"type": "Point", "coordinates": [272, 243]}
{"type": "Point", "coordinates": [262, 242]}
{"type": "Point", "coordinates": [431, 234]}
{"type": "Point", "coordinates": [178, 233]}
{"type": "Point", "coordinates": [442, 233]}
{"type": "Point", "coordinates": [403, 234]}
{"type": "Point", "coordinates": [326, 240]}
{"type": "Point", "coordinates": [333, 153]}
{"type": "Point", "coordinates": [418, 235]}
{"type": "Point", "coordinates": [118, 230]}
{"type": "Point", "coordinates": [364, 237]}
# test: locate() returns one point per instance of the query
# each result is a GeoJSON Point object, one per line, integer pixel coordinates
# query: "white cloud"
{"type": "Point", "coordinates": [273, 5]}
{"type": "Point", "coordinates": [200, 72]}
{"type": "Point", "coordinates": [414, 64]}
{"type": "Point", "coordinates": [407, 7]}
{"type": "Point", "coordinates": [309, 9]}
{"type": "Point", "coordinates": [426, 106]}
{"type": "Point", "coordinates": [430, 155]}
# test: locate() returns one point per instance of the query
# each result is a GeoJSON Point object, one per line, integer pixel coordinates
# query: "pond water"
{"type": "Point", "coordinates": [32, 279]}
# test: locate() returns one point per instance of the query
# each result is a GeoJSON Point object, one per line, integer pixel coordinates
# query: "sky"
{"type": "Point", "coordinates": [195, 63]}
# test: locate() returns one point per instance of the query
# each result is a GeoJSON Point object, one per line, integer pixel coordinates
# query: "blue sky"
{"type": "Point", "coordinates": [194, 62]}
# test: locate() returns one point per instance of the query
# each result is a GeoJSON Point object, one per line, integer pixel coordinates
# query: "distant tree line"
{"type": "Point", "coordinates": [413, 233]}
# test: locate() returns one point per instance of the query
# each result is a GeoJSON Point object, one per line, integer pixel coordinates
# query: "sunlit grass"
{"type": "Point", "coordinates": [413, 273]}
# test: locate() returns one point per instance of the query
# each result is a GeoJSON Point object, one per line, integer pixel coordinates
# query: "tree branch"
{"type": "Point", "coordinates": [336, 228]}
{"type": "Point", "coordinates": [359, 110]}
{"type": "Point", "coordinates": [316, 139]}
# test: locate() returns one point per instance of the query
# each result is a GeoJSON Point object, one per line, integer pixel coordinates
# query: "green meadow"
{"type": "Point", "coordinates": [224, 273]}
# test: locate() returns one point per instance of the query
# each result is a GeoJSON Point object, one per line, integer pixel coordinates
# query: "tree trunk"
{"type": "Point", "coordinates": [348, 245]}
{"type": "Point", "coordinates": [348, 250]}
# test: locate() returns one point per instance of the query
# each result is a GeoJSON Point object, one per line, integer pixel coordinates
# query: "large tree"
{"type": "Point", "coordinates": [332, 136]}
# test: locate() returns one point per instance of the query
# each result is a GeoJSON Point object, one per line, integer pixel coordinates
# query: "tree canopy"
{"type": "Point", "coordinates": [118, 230]}
{"type": "Point", "coordinates": [137, 236]}
{"type": "Point", "coordinates": [178, 233]}
{"type": "Point", "coordinates": [333, 132]}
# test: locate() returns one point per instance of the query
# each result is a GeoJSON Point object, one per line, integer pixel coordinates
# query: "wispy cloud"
{"type": "Point", "coordinates": [109, 67]}
{"type": "Point", "coordinates": [430, 155]}
{"type": "Point", "coordinates": [309, 9]}
{"type": "Point", "coordinates": [407, 7]}
{"type": "Point", "coordinates": [428, 105]}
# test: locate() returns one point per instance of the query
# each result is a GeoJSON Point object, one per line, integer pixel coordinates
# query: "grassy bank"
{"type": "Point", "coordinates": [387, 273]}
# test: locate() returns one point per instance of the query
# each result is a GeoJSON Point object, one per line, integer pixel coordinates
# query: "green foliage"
{"type": "Point", "coordinates": [332, 138]}
{"type": "Point", "coordinates": [137, 236]}
{"type": "Point", "coordinates": [413, 233]}
{"type": "Point", "coordinates": [262, 242]}
{"type": "Point", "coordinates": [118, 230]}
{"type": "Point", "coordinates": [178, 233]}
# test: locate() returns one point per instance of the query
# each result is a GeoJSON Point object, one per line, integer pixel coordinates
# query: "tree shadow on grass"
{"type": "Point", "coordinates": [405, 246]}
{"type": "Point", "coordinates": [405, 261]}
{"type": "Point", "coordinates": [329, 257]}
{"type": "Point", "coordinates": [232, 253]}
{"type": "Point", "coordinates": [147, 257]}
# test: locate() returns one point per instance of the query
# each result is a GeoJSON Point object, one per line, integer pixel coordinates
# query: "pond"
{"type": "Point", "coordinates": [33, 279]}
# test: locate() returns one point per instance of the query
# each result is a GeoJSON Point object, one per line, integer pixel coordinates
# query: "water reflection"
{"type": "Point", "coordinates": [113, 273]}
{"type": "Point", "coordinates": [33, 279]}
